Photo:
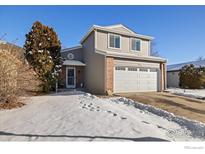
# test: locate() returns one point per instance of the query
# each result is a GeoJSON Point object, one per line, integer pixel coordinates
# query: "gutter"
{"type": "Point", "coordinates": [71, 48]}
{"type": "Point", "coordinates": [130, 56]}
{"type": "Point", "coordinates": [173, 70]}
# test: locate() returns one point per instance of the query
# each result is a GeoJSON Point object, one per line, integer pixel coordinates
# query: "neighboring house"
{"type": "Point", "coordinates": [12, 48]}
{"type": "Point", "coordinates": [113, 58]}
{"type": "Point", "coordinates": [173, 72]}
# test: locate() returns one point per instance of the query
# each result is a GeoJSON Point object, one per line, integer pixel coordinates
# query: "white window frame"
{"type": "Point", "coordinates": [131, 44]}
{"type": "Point", "coordinates": [109, 41]}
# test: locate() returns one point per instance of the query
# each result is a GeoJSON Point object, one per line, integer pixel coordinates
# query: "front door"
{"type": "Point", "coordinates": [70, 77]}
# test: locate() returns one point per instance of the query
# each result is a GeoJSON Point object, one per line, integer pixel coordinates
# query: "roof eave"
{"type": "Point", "coordinates": [73, 63]}
{"type": "Point", "coordinates": [72, 48]}
{"type": "Point", "coordinates": [173, 70]}
{"type": "Point", "coordinates": [131, 57]}
{"type": "Point", "coordinates": [87, 34]}
{"type": "Point", "coordinates": [138, 58]}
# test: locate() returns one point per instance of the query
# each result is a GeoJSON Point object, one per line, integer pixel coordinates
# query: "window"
{"type": "Point", "coordinates": [114, 41]}
{"type": "Point", "coordinates": [132, 68]}
{"type": "Point", "coordinates": [135, 44]}
{"type": "Point", "coordinates": [120, 68]}
{"type": "Point", "coordinates": [143, 70]}
{"type": "Point", "coordinates": [153, 70]}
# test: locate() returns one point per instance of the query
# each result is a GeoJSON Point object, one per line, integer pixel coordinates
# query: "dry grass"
{"type": "Point", "coordinates": [11, 105]}
{"type": "Point", "coordinates": [16, 78]}
{"type": "Point", "coordinates": [183, 106]}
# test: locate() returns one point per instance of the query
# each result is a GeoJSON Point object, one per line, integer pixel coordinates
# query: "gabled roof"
{"type": "Point", "coordinates": [113, 29]}
{"type": "Point", "coordinates": [118, 26]}
{"type": "Point", "coordinates": [72, 48]}
{"type": "Point", "coordinates": [73, 63]}
{"type": "Point", "coordinates": [177, 67]}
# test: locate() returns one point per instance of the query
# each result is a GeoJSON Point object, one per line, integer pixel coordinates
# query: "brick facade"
{"type": "Point", "coordinates": [109, 73]}
{"type": "Point", "coordinates": [79, 70]}
{"type": "Point", "coordinates": [79, 76]}
{"type": "Point", "coordinates": [62, 80]}
{"type": "Point", "coordinates": [163, 76]}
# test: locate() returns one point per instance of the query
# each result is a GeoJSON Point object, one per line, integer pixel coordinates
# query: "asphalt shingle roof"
{"type": "Point", "coordinates": [176, 67]}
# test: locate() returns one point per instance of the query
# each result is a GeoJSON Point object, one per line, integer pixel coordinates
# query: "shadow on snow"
{"type": "Point", "coordinates": [145, 139]}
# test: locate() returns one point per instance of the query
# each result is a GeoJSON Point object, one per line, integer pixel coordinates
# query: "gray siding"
{"type": "Point", "coordinates": [78, 54]}
{"type": "Point", "coordinates": [95, 67]}
{"type": "Point", "coordinates": [122, 29]}
{"type": "Point", "coordinates": [173, 79]}
{"type": "Point", "coordinates": [102, 44]}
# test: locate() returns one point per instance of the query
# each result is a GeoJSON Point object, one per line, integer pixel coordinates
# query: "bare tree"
{"type": "Point", "coordinates": [153, 50]}
{"type": "Point", "coordinates": [2, 36]}
{"type": "Point", "coordinates": [200, 58]}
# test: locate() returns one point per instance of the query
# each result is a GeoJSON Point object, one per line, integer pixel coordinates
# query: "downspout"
{"type": "Point", "coordinates": [161, 76]}
{"type": "Point", "coordinates": [165, 76]}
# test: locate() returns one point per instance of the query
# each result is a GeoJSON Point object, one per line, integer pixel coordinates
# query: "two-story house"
{"type": "Point", "coordinates": [113, 58]}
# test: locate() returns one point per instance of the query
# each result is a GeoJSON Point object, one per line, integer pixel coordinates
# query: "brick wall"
{"type": "Point", "coordinates": [62, 80]}
{"type": "Point", "coordinates": [109, 73]}
{"type": "Point", "coordinates": [79, 76]}
{"type": "Point", "coordinates": [163, 76]}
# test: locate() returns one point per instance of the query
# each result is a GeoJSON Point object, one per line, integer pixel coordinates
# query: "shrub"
{"type": "Point", "coordinates": [192, 77]}
{"type": "Point", "coordinates": [8, 76]}
{"type": "Point", "coordinates": [42, 51]}
{"type": "Point", "coordinates": [16, 77]}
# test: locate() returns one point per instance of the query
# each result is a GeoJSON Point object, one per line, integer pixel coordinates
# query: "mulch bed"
{"type": "Point", "coordinates": [8, 106]}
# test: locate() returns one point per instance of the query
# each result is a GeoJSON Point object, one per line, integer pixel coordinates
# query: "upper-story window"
{"type": "Point", "coordinates": [114, 41]}
{"type": "Point", "coordinates": [135, 44]}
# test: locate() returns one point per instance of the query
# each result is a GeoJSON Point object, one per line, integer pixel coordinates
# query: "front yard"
{"type": "Point", "coordinates": [80, 116]}
{"type": "Point", "coordinates": [180, 105]}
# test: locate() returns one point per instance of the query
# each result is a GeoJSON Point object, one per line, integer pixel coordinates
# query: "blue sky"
{"type": "Point", "coordinates": [179, 31]}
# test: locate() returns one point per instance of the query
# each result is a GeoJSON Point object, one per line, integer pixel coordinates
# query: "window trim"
{"type": "Point", "coordinates": [131, 44]}
{"type": "Point", "coordinates": [108, 40]}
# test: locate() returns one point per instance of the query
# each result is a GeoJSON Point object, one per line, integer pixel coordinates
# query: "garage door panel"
{"type": "Point", "coordinates": [135, 80]}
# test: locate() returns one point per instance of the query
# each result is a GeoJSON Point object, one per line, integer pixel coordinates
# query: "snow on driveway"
{"type": "Point", "coordinates": [85, 117]}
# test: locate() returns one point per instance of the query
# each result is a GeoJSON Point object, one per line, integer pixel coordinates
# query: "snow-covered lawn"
{"type": "Point", "coordinates": [84, 117]}
{"type": "Point", "coordinates": [194, 93]}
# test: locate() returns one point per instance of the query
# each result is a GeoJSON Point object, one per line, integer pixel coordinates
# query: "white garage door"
{"type": "Point", "coordinates": [133, 79]}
